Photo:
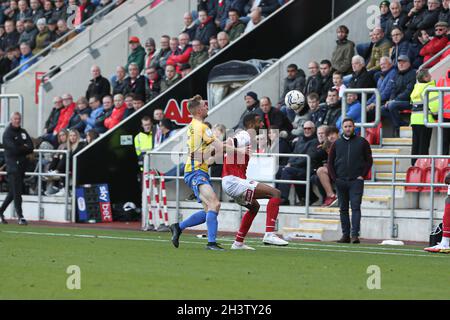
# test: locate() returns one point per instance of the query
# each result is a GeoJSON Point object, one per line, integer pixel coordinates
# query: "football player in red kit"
{"type": "Point", "coordinates": [444, 245]}
{"type": "Point", "coordinates": [245, 192]}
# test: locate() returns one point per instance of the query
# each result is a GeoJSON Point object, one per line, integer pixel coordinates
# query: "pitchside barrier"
{"type": "Point", "coordinates": [148, 206]}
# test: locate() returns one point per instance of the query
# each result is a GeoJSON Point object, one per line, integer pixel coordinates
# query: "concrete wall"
{"type": "Point", "coordinates": [165, 18]}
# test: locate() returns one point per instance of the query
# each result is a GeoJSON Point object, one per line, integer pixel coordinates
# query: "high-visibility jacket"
{"type": "Point", "coordinates": [143, 142]}
{"type": "Point", "coordinates": [417, 99]}
{"type": "Point", "coordinates": [445, 82]}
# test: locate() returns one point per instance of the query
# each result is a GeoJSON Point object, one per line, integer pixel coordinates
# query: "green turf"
{"type": "Point", "coordinates": [33, 266]}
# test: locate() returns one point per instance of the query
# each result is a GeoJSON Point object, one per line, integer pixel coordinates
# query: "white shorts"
{"type": "Point", "coordinates": [240, 190]}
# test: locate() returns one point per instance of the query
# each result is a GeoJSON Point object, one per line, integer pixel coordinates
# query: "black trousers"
{"type": "Point", "coordinates": [421, 137]}
{"type": "Point", "coordinates": [350, 191]}
{"type": "Point", "coordinates": [15, 185]}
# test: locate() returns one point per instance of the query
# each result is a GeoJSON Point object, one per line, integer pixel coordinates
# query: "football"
{"type": "Point", "coordinates": [294, 100]}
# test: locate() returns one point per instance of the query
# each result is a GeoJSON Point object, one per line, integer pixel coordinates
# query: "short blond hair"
{"type": "Point", "coordinates": [194, 102]}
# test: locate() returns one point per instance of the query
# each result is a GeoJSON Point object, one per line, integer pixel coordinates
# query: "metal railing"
{"type": "Point", "coordinates": [10, 75]}
{"type": "Point", "coordinates": [363, 124]}
{"type": "Point", "coordinates": [41, 174]}
{"type": "Point", "coordinates": [440, 124]}
{"type": "Point", "coordinates": [5, 113]}
{"type": "Point", "coordinates": [178, 154]}
{"type": "Point", "coordinates": [434, 58]}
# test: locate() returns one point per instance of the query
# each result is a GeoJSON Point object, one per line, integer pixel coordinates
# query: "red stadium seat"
{"type": "Point", "coordinates": [414, 175]}
{"type": "Point", "coordinates": [423, 163]}
{"type": "Point", "coordinates": [445, 171]}
{"type": "Point", "coordinates": [373, 134]}
{"type": "Point", "coordinates": [441, 163]}
{"type": "Point", "coordinates": [427, 178]}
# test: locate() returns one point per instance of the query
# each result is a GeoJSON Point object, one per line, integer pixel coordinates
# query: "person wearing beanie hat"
{"type": "Point", "coordinates": [385, 14]}
{"type": "Point", "coordinates": [252, 104]}
{"type": "Point", "coordinates": [42, 39]}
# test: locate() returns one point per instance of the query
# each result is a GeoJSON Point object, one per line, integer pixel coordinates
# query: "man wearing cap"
{"type": "Point", "coordinates": [385, 14]}
{"type": "Point", "coordinates": [436, 44]}
{"type": "Point", "coordinates": [251, 104]}
{"type": "Point", "coordinates": [137, 54]}
{"type": "Point", "coordinates": [150, 50]}
{"type": "Point", "coordinates": [29, 35]}
{"type": "Point", "coordinates": [399, 100]}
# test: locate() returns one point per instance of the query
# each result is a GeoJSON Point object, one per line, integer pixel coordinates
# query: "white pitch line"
{"type": "Point", "coordinates": [202, 243]}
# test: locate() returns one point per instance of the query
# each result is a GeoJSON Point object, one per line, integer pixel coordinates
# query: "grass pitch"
{"type": "Point", "coordinates": [137, 265]}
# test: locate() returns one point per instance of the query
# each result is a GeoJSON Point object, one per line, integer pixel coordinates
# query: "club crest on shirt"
{"type": "Point", "coordinates": [24, 136]}
{"type": "Point", "coordinates": [209, 132]}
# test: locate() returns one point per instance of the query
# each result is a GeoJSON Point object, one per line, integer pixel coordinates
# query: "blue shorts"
{"type": "Point", "coordinates": [196, 178]}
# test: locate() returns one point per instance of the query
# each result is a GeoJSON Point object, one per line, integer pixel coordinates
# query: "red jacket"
{"type": "Point", "coordinates": [64, 117]}
{"type": "Point", "coordinates": [178, 59]}
{"type": "Point", "coordinates": [431, 48]}
{"type": "Point", "coordinates": [115, 117]}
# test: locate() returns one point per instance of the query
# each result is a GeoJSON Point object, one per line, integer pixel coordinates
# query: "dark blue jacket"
{"type": "Point", "coordinates": [403, 85]}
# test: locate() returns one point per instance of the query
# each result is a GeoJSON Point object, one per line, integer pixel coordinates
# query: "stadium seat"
{"type": "Point", "coordinates": [445, 171]}
{"type": "Point", "coordinates": [423, 163]}
{"type": "Point", "coordinates": [373, 135]}
{"type": "Point", "coordinates": [441, 163]}
{"type": "Point", "coordinates": [427, 178]}
{"type": "Point", "coordinates": [414, 175]}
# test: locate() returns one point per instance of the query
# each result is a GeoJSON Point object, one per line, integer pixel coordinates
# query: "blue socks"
{"type": "Point", "coordinates": [212, 225]}
{"type": "Point", "coordinates": [194, 220]}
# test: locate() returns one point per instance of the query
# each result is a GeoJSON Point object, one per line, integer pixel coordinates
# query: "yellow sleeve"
{"type": "Point", "coordinates": [137, 145]}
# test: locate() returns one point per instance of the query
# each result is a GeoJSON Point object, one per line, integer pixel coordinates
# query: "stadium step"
{"type": "Point", "coordinates": [310, 234]}
{"type": "Point", "coordinates": [381, 191]}
{"type": "Point", "coordinates": [397, 141]}
{"type": "Point", "coordinates": [386, 164]}
{"type": "Point", "coordinates": [405, 132]}
{"type": "Point", "coordinates": [387, 176]}
{"type": "Point", "coordinates": [385, 150]}
{"type": "Point", "coordinates": [381, 202]}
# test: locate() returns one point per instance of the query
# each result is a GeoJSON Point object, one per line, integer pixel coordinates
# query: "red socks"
{"type": "Point", "coordinates": [246, 223]}
{"type": "Point", "coordinates": [272, 213]}
{"type": "Point", "coordinates": [446, 221]}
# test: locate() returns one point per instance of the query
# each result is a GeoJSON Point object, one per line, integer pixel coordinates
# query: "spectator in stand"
{"type": "Point", "coordinates": [26, 57]}
{"type": "Point", "coordinates": [406, 5]}
{"type": "Point", "coordinates": [350, 179]}
{"type": "Point", "coordinates": [29, 34]}
{"type": "Point", "coordinates": [400, 96]}
{"type": "Point", "coordinates": [301, 116]}
{"type": "Point", "coordinates": [86, 10]}
{"type": "Point", "coordinates": [170, 78]}
{"type": "Point", "coordinates": [380, 49]}
{"type": "Point", "coordinates": [415, 18]}
{"type": "Point", "coordinates": [365, 49]}
{"type": "Point", "coordinates": [7, 63]}
{"type": "Point", "coordinates": [206, 29]}
{"type": "Point", "coordinates": [314, 81]}
{"type": "Point", "coordinates": [422, 135]}
{"type": "Point", "coordinates": [67, 111]}
{"type": "Point", "coordinates": [266, 7]}
{"type": "Point", "coordinates": [96, 110]}
{"type": "Point", "coordinates": [213, 46]}
{"type": "Point", "coordinates": [234, 28]}
{"type": "Point", "coordinates": [182, 54]}
{"type": "Point", "coordinates": [398, 19]}
{"type": "Point", "coordinates": [341, 58]}
{"type": "Point", "coordinates": [62, 30]}
{"type": "Point", "coordinates": [189, 25]}
{"type": "Point", "coordinates": [295, 80]}
{"type": "Point", "coordinates": [158, 115]}
{"type": "Point", "coordinates": [11, 37]}
{"type": "Point", "coordinates": [75, 122]}
{"type": "Point", "coordinates": [152, 84]}
{"type": "Point", "coordinates": [326, 79]}
{"type": "Point", "coordinates": [12, 12]}
{"type": "Point", "coordinates": [210, 6]}
{"type": "Point", "coordinates": [129, 105]}
{"type": "Point", "coordinates": [51, 25]}
{"type": "Point", "coordinates": [223, 40]}
{"type": "Point", "coordinates": [117, 113]}
{"type": "Point", "coordinates": [430, 17]}
{"type": "Point", "coordinates": [317, 110]}
{"type": "Point", "coordinates": [199, 54]}
{"type": "Point", "coordinates": [385, 84]}
{"type": "Point", "coordinates": [361, 78]}
{"type": "Point", "coordinates": [56, 163]}
{"type": "Point", "coordinates": [295, 169]}
{"type": "Point", "coordinates": [401, 45]}
{"type": "Point", "coordinates": [338, 83]}
{"type": "Point", "coordinates": [137, 54]}
{"type": "Point", "coordinates": [185, 69]}
{"type": "Point", "coordinates": [118, 81]}
{"type": "Point", "coordinates": [159, 60]}
{"type": "Point", "coordinates": [108, 106]}
{"type": "Point", "coordinates": [60, 11]}
{"type": "Point", "coordinates": [150, 51]}
{"type": "Point", "coordinates": [143, 141]}
{"type": "Point", "coordinates": [102, 5]}
{"type": "Point", "coordinates": [134, 83]}
{"type": "Point", "coordinates": [52, 121]}
{"type": "Point", "coordinates": [385, 14]}
{"type": "Point", "coordinates": [255, 19]}
{"type": "Point", "coordinates": [251, 105]}
{"type": "Point", "coordinates": [36, 10]}
{"type": "Point", "coordinates": [272, 116]}
{"type": "Point", "coordinates": [278, 144]}
{"type": "Point", "coordinates": [48, 10]}
{"type": "Point", "coordinates": [436, 44]}
{"type": "Point", "coordinates": [138, 102]}
{"type": "Point", "coordinates": [20, 26]}
{"type": "Point", "coordinates": [444, 15]}
{"type": "Point", "coordinates": [42, 37]}
{"type": "Point", "coordinates": [99, 85]}
{"type": "Point", "coordinates": [91, 135]}
{"type": "Point", "coordinates": [353, 111]}
{"type": "Point", "coordinates": [222, 11]}
{"type": "Point", "coordinates": [334, 110]}
{"type": "Point", "coordinates": [24, 10]}
{"type": "Point", "coordinates": [167, 129]}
